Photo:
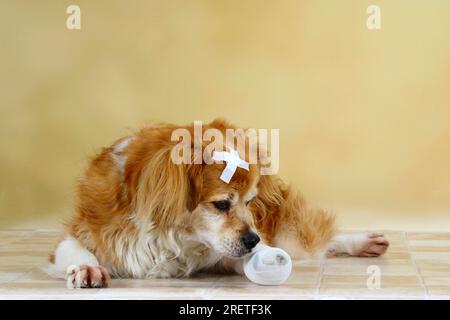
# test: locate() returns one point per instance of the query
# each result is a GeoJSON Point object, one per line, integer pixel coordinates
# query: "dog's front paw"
{"type": "Point", "coordinates": [87, 277]}
{"type": "Point", "coordinates": [374, 246]}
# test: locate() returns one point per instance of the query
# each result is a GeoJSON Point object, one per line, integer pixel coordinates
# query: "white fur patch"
{"type": "Point", "coordinates": [70, 252]}
{"type": "Point", "coordinates": [153, 254]}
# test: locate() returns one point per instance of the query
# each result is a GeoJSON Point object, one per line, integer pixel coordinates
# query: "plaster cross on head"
{"type": "Point", "coordinates": [233, 162]}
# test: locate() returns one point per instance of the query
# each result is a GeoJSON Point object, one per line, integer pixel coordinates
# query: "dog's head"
{"type": "Point", "coordinates": [192, 198]}
{"type": "Point", "coordinates": [222, 218]}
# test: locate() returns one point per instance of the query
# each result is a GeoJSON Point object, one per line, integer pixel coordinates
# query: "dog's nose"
{"type": "Point", "coordinates": [250, 240]}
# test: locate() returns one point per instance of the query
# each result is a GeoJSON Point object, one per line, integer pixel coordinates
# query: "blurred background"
{"type": "Point", "coordinates": [364, 115]}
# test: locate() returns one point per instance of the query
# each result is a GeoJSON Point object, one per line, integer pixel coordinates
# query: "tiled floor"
{"type": "Point", "coordinates": [417, 266]}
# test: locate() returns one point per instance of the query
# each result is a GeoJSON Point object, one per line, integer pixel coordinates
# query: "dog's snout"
{"type": "Point", "coordinates": [250, 240]}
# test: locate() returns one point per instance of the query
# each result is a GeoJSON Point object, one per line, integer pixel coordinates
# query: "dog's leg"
{"type": "Point", "coordinates": [288, 222]}
{"type": "Point", "coordinates": [285, 220]}
{"type": "Point", "coordinates": [80, 266]}
{"type": "Point", "coordinates": [359, 244]}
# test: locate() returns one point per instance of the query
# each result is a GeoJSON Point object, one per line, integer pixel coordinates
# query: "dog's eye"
{"type": "Point", "coordinates": [223, 205]}
{"type": "Point", "coordinates": [249, 201]}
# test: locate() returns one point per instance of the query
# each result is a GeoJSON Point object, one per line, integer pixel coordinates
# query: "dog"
{"type": "Point", "coordinates": [140, 215]}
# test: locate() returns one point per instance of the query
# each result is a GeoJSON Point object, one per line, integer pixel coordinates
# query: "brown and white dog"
{"type": "Point", "coordinates": [138, 215]}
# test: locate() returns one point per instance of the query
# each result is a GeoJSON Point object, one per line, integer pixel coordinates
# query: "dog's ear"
{"type": "Point", "coordinates": [195, 175]}
{"type": "Point", "coordinates": [167, 191]}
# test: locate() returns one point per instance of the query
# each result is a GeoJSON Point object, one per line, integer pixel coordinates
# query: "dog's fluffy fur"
{"type": "Point", "coordinates": [140, 215]}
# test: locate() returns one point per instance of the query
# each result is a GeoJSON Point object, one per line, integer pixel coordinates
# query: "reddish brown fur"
{"type": "Point", "coordinates": [278, 208]}
{"type": "Point", "coordinates": [154, 188]}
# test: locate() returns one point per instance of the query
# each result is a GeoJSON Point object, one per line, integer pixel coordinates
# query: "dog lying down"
{"type": "Point", "coordinates": [140, 213]}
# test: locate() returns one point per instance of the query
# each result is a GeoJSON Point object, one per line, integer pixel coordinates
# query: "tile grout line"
{"type": "Point", "coordinates": [31, 233]}
{"type": "Point", "coordinates": [416, 267]}
{"type": "Point", "coordinates": [319, 281]}
{"type": "Point", "coordinates": [208, 292]}
{"type": "Point", "coordinates": [23, 274]}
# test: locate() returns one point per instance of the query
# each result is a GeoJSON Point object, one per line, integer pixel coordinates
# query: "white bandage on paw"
{"type": "Point", "coordinates": [268, 266]}
{"type": "Point", "coordinates": [233, 162]}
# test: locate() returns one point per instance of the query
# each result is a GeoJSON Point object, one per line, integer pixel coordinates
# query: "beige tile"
{"type": "Point", "coordinates": [47, 291]}
{"type": "Point", "coordinates": [38, 238]}
{"type": "Point", "coordinates": [18, 268]}
{"type": "Point", "coordinates": [26, 246]}
{"type": "Point", "coordinates": [298, 276]}
{"type": "Point", "coordinates": [349, 261]}
{"type": "Point", "coordinates": [431, 249]}
{"type": "Point", "coordinates": [189, 288]}
{"type": "Point", "coordinates": [363, 291]}
{"type": "Point", "coordinates": [38, 285]}
{"type": "Point", "coordinates": [48, 232]}
{"type": "Point", "coordinates": [356, 286]}
{"type": "Point", "coordinates": [304, 269]}
{"type": "Point", "coordinates": [394, 269]}
{"type": "Point", "coordinates": [428, 236]}
{"type": "Point", "coordinates": [298, 286]}
{"type": "Point", "coordinates": [155, 292]}
{"type": "Point", "coordinates": [11, 234]}
{"type": "Point", "coordinates": [439, 291]}
{"type": "Point", "coordinates": [18, 253]}
{"type": "Point", "coordinates": [127, 296]}
{"type": "Point", "coordinates": [387, 281]}
{"type": "Point", "coordinates": [434, 268]}
{"type": "Point", "coordinates": [24, 254]}
{"type": "Point", "coordinates": [395, 238]}
{"type": "Point", "coordinates": [431, 255]}
{"type": "Point", "coordinates": [34, 243]}
{"type": "Point", "coordinates": [434, 272]}
{"type": "Point", "coordinates": [433, 263]}
{"type": "Point", "coordinates": [22, 260]}
{"type": "Point", "coordinates": [166, 283]}
{"type": "Point", "coordinates": [429, 243]}
{"type": "Point", "coordinates": [436, 281]}
{"type": "Point", "coordinates": [233, 279]}
{"type": "Point", "coordinates": [398, 247]}
{"type": "Point", "coordinates": [260, 297]}
{"type": "Point", "coordinates": [393, 242]}
{"type": "Point", "coordinates": [250, 290]}
{"type": "Point", "coordinates": [305, 278]}
{"type": "Point", "coordinates": [359, 266]}
{"type": "Point", "coordinates": [309, 263]}
{"type": "Point", "coordinates": [9, 276]}
{"type": "Point", "coordinates": [396, 255]}
{"type": "Point", "coordinates": [35, 275]}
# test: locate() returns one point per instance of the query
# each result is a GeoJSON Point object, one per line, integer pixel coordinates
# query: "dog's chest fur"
{"type": "Point", "coordinates": [154, 254]}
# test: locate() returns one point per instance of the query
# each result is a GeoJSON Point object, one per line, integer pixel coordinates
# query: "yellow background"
{"type": "Point", "coordinates": [364, 116]}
